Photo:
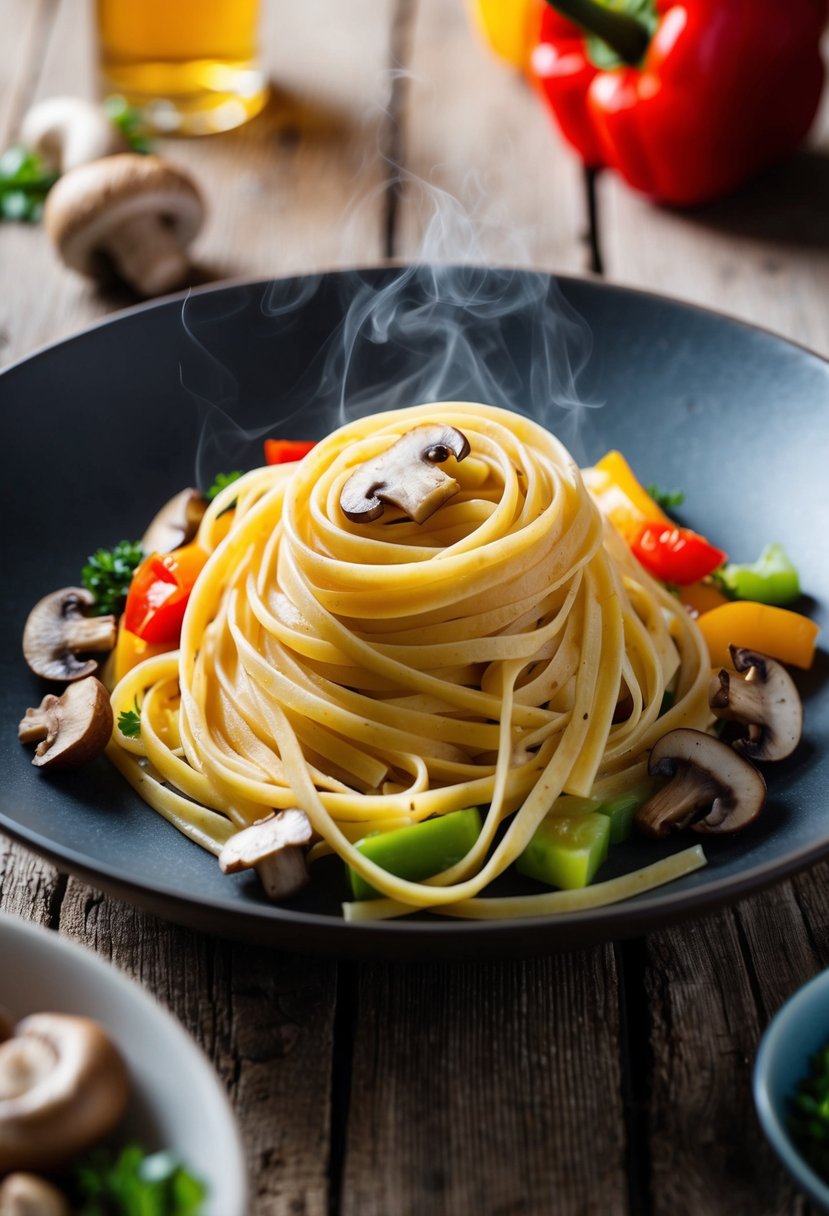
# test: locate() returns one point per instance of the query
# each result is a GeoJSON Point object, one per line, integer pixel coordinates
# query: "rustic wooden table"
{"type": "Point", "coordinates": [611, 1080]}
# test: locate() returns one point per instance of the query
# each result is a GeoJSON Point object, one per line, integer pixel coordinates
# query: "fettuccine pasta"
{"type": "Point", "coordinates": [376, 674]}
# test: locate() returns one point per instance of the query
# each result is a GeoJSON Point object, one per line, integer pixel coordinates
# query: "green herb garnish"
{"type": "Point", "coordinates": [24, 184]}
{"type": "Point", "coordinates": [666, 499]}
{"type": "Point", "coordinates": [137, 1184]}
{"type": "Point", "coordinates": [129, 722]}
{"type": "Point", "coordinates": [108, 574]}
{"type": "Point", "coordinates": [220, 481]}
{"type": "Point", "coordinates": [130, 122]}
{"type": "Point", "coordinates": [809, 1114]}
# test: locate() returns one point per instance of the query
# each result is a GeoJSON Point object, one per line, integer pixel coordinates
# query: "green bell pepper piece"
{"type": "Point", "coordinates": [567, 848]}
{"type": "Point", "coordinates": [420, 850]}
{"type": "Point", "coordinates": [772, 579]}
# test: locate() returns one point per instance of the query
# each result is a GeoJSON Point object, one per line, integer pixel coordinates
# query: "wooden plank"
{"type": "Point", "coordinates": [487, 1088]}
{"type": "Point", "coordinates": [762, 255]}
{"type": "Point", "coordinates": [483, 177]}
{"type": "Point", "coordinates": [265, 1020]}
{"type": "Point", "coordinates": [707, 1151]}
{"type": "Point", "coordinates": [297, 189]}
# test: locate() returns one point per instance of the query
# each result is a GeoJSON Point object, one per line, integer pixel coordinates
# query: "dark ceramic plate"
{"type": "Point", "coordinates": [100, 429]}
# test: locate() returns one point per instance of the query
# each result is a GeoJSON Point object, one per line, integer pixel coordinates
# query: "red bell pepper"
{"type": "Point", "coordinates": [686, 99]}
{"type": "Point", "coordinates": [673, 554]}
{"type": "Point", "coordinates": [285, 451]}
{"type": "Point", "coordinates": [159, 592]}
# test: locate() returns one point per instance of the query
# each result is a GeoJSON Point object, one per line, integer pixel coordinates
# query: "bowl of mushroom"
{"type": "Point", "coordinates": [86, 1056]}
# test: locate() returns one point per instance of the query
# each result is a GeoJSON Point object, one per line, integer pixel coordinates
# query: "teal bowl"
{"type": "Point", "coordinates": [796, 1032]}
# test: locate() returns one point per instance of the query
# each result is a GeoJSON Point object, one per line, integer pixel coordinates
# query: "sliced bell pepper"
{"type": "Point", "coordinates": [701, 597]}
{"type": "Point", "coordinates": [673, 554]}
{"type": "Point", "coordinates": [685, 99]}
{"type": "Point", "coordinates": [286, 451]}
{"type": "Point", "coordinates": [772, 579]}
{"type": "Point", "coordinates": [623, 499]}
{"type": "Point", "coordinates": [130, 650]}
{"type": "Point", "coordinates": [419, 850]}
{"type": "Point", "coordinates": [777, 632]}
{"type": "Point", "coordinates": [159, 592]}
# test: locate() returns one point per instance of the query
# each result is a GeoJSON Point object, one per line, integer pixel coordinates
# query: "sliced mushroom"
{"type": "Point", "coordinates": [63, 1086]}
{"type": "Point", "coordinates": [273, 847]}
{"type": "Point", "coordinates": [406, 475]}
{"type": "Point", "coordinates": [57, 630]}
{"type": "Point", "coordinates": [711, 788]}
{"type": "Point", "coordinates": [69, 131]}
{"type": "Point", "coordinates": [69, 730]}
{"type": "Point", "coordinates": [765, 700]}
{"type": "Point", "coordinates": [30, 1195]}
{"type": "Point", "coordinates": [176, 523]}
{"type": "Point", "coordinates": [136, 213]}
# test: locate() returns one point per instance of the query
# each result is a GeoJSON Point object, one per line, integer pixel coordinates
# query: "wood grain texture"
{"type": "Point", "coordinates": [761, 255]}
{"type": "Point", "coordinates": [482, 178]}
{"type": "Point", "coordinates": [487, 1089]}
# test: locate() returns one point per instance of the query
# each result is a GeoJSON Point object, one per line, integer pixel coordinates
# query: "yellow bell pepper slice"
{"type": "Point", "coordinates": [773, 631]}
{"type": "Point", "coordinates": [625, 502]}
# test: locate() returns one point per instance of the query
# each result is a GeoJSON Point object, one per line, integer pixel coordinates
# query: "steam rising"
{"type": "Point", "coordinates": [340, 346]}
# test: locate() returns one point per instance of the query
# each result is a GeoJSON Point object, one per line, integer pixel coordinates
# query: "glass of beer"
{"type": "Point", "coordinates": [190, 66]}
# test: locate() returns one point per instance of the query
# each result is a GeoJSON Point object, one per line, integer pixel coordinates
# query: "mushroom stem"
{"type": "Point", "coordinates": [675, 805]}
{"type": "Point", "coordinates": [90, 633]}
{"type": "Point", "coordinates": [147, 254]}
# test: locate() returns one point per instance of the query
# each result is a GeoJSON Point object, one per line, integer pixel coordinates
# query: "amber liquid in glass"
{"type": "Point", "coordinates": [190, 65]}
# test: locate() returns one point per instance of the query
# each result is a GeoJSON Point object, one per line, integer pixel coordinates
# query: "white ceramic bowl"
{"type": "Point", "coordinates": [177, 1101]}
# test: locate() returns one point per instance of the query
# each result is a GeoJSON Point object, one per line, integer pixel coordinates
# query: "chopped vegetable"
{"type": "Point", "coordinates": [702, 596]}
{"type": "Point", "coordinates": [667, 499]}
{"type": "Point", "coordinates": [673, 554]}
{"type": "Point", "coordinates": [777, 632]}
{"type": "Point", "coordinates": [623, 499]}
{"type": "Point", "coordinates": [159, 593]}
{"type": "Point", "coordinates": [568, 846]}
{"type": "Point", "coordinates": [419, 850]}
{"type": "Point", "coordinates": [809, 1114]}
{"type": "Point", "coordinates": [129, 722]}
{"type": "Point", "coordinates": [24, 184]}
{"type": "Point", "coordinates": [772, 579]}
{"type": "Point", "coordinates": [108, 574]}
{"type": "Point", "coordinates": [137, 1183]}
{"type": "Point", "coordinates": [220, 481]}
{"type": "Point", "coordinates": [128, 653]}
{"type": "Point", "coordinates": [285, 451]}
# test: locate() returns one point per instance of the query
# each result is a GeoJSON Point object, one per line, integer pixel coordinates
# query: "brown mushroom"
{"type": "Point", "coordinates": [273, 847]}
{"type": "Point", "coordinates": [711, 788]}
{"type": "Point", "coordinates": [176, 523]}
{"type": "Point", "coordinates": [63, 1086]}
{"type": "Point", "coordinates": [406, 475]}
{"type": "Point", "coordinates": [764, 700]}
{"type": "Point", "coordinates": [136, 213]}
{"type": "Point", "coordinates": [29, 1195]}
{"type": "Point", "coordinates": [69, 730]}
{"type": "Point", "coordinates": [69, 131]}
{"type": "Point", "coordinates": [57, 630]}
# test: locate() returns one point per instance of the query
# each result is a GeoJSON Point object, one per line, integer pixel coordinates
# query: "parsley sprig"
{"type": "Point", "coordinates": [137, 1184]}
{"type": "Point", "coordinates": [108, 574]}
{"type": "Point", "coordinates": [24, 184]}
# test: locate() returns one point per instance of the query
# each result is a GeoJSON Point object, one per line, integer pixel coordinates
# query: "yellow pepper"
{"type": "Point", "coordinates": [777, 632]}
{"type": "Point", "coordinates": [509, 27]}
{"type": "Point", "coordinates": [625, 502]}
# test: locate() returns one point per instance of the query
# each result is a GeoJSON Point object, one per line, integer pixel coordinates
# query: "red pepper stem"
{"type": "Point", "coordinates": [622, 32]}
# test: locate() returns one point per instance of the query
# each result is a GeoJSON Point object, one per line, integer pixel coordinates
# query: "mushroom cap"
{"type": "Point", "coordinates": [71, 729]}
{"type": "Point", "coordinates": [406, 475]}
{"type": "Point", "coordinates": [87, 205]}
{"type": "Point", "coordinates": [765, 701]}
{"type": "Point", "coordinates": [57, 629]}
{"type": "Point", "coordinates": [273, 847]}
{"type": "Point", "coordinates": [72, 1103]}
{"type": "Point", "coordinates": [711, 787]}
{"type": "Point", "coordinates": [69, 131]}
{"type": "Point", "coordinates": [176, 523]}
{"type": "Point", "coordinates": [30, 1195]}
